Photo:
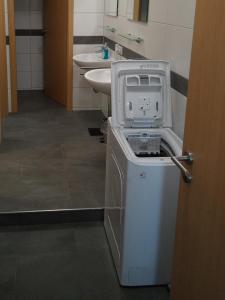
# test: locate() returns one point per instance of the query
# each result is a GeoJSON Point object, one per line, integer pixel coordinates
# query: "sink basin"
{"type": "Point", "coordinates": [100, 80]}
{"type": "Point", "coordinates": [92, 60]}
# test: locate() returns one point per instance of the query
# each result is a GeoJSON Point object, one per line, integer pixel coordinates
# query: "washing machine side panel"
{"type": "Point", "coordinates": [114, 197]}
{"type": "Point", "coordinates": [149, 224]}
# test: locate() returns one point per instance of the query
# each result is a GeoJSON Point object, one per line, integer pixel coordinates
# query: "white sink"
{"type": "Point", "coordinates": [92, 60]}
{"type": "Point", "coordinates": [100, 80]}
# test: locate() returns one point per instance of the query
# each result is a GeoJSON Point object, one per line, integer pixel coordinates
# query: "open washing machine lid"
{"type": "Point", "coordinates": [141, 94]}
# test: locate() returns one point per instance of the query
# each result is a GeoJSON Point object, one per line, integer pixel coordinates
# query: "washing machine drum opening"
{"type": "Point", "coordinates": [149, 145]}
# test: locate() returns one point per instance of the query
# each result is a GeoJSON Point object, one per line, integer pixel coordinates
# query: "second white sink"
{"type": "Point", "coordinates": [92, 60]}
{"type": "Point", "coordinates": [100, 80]}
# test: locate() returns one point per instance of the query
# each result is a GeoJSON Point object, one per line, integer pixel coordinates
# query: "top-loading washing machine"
{"type": "Point", "coordinates": [142, 182]}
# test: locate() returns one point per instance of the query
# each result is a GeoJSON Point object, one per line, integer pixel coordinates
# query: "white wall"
{"type": "Point", "coordinates": [88, 21]}
{"type": "Point", "coordinates": [29, 49]}
{"type": "Point", "coordinates": [167, 36]}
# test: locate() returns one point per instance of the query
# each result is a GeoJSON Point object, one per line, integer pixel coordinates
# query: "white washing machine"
{"type": "Point", "coordinates": [142, 182]}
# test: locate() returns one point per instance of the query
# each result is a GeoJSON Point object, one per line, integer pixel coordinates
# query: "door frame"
{"type": "Point", "coordinates": [3, 68]}
{"type": "Point", "coordinates": [69, 58]}
{"type": "Point", "coordinates": [12, 50]}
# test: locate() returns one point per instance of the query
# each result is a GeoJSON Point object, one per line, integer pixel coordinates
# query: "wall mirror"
{"type": "Point", "coordinates": [111, 8]}
{"type": "Point", "coordinates": [137, 10]}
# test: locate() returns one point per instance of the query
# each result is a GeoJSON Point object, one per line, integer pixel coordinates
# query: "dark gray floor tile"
{"type": "Point", "coordinates": [22, 242]}
{"type": "Point", "coordinates": [42, 146]}
{"type": "Point", "coordinates": [62, 262]}
{"type": "Point", "coordinates": [8, 267]}
{"type": "Point", "coordinates": [86, 196]}
{"type": "Point", "coordinates": [86, 151]}
{"type": "Point", "coordinates": [90, 236]}
{"type": "Point", "coordinates": [34, 191]}
{"type": "Point", "coordinates": [86, 185]}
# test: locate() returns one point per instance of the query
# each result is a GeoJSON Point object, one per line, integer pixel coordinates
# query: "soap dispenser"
{"type": "Point", "coordinates": [105, 51]}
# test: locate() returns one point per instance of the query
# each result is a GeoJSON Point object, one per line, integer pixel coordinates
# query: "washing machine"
{"type": "Point", "coordinates": [142, 182]}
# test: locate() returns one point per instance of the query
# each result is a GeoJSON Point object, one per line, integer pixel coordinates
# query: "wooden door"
{"type": "Point", "coordinates": [12, 49]}
{"type": "Point", "coordinates": [199, 265]}
{"type": "Point", "coordinates": [3, 69]}
{"type": "Point", "coordinates": [58, 50]}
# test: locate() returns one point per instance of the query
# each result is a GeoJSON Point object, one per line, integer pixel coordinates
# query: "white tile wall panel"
{"type": "Point", "coordinates": [36, 44]}
{"type": "Point", "coordinates": [86, 99]}
{"type": "Point", "coordinates": [36, 5]}
{"type": "Point", "coordinates": [23, 44]}
{"type": "Point", "coordinates": [179, 103]}
{"type": "Point", "coordinates": [29, 49]}
{"type": "Point", "coordinates": [167, 36]}
{"type": "Point", "coordinates": [83, 95]}
{"type": "Point", "coordinates": [86, 24]}
{"type": "Point", "coordinates": [22, 20]}
{"type": "Point", "coordinates": [36, 62]}
{"type": "Point", "coordinates": [22, 5]}
{"type": "Point", "coordinates": [23, 63]}
{"type": "Point", "coordinates": [36, 20]}
{"type": "Point", "coordinates": [24, 80]}
{"type": "Point", "coordinates": [181, 12]}
{"type": "Point", "coordinates": [87, 6]}
{"type": "Point", "coordinates": [37, 81]}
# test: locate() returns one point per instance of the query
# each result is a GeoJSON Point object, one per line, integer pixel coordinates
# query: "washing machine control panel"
{"type": "Point", "coordinates": [143, 94]}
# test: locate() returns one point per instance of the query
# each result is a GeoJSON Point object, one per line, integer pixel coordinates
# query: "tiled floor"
{"type": "Point", "coordinates": [62, 262]}
{"type": "Point", "coordinates": [48, 160]}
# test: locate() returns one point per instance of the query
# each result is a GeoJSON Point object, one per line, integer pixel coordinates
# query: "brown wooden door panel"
{"type": "Point", "coordinates": [3, 66]}
{"type": "Point", "coordinates": [199, 266]}
{"type": "Point", "coordinates": [58, 48]}
{"type": "Point", "coordinates": [12, 49]}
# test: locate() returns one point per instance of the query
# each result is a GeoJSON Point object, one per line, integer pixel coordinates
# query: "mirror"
{"type": "Point", "coordinates": [137, 10]}
{"type": "Point", "coordinates": [111, 8]}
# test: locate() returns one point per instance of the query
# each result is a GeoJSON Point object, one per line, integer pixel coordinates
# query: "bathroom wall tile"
{"type": "Point", "coordinates": [37, 81]}
{"type": "Point", "coordinates": [29, 49]}
{"type": "Point", "coordinates": [36, 62]}
{"type": "Point", "coordinates": [167, 36]}
{"type": "Point", "coordinates": [36, 20]}
{"type": "Point", "coordinates": [86, 99]}
{"type": "Point", "coordinates": [158, 10]}
{"type": "Point", "coordinates": [22, 5]}
{"type": "Point", "coordinates": [24, 80]}
{"type": "Point", "coordinates": [22, 20]}
{"type": "Point", "coordinates": [105, 104]}
{"type": "Point", "coordinates": [179, 103]}
{"type": "Point", "coordinates": [23, 63]}
{"type": "Point", "coordinates": [88, 24]}
{"type": "Point", "coordinates": [181, 12]}
{"type": "Point", "coordinates": [79, 49]}
{"type": "Point", "coordinates": [178, 50]}
{"type": "Point", "coordinates": [78, 78]}
{"type": "Point", "coordinates": [36, 5]}
{"type": "Point", "coordinates": [122, 11]}
{"type": "Point", "coordinates": [87, 6]}
{"type": "Point", "coordinates": [36, 44]}
{"type": "Point", "coordinates": [22, 44]}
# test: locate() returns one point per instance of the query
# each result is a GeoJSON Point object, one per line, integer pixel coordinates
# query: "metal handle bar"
{"type": "Point", "coordinates": [189, 159]}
